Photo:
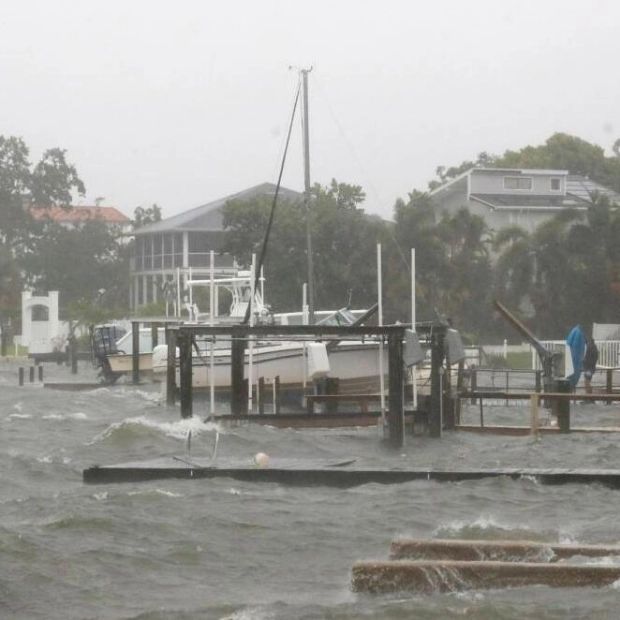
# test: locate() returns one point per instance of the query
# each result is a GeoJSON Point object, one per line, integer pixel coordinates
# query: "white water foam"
{"type": "Point", "coordinates": [65, 416]}
{"type": "Point", "coordinates": [178, 429]}
{"type": "Point", "coordinates": [20, 416]}
{"type": "Point", "coordinates": [251, 613]}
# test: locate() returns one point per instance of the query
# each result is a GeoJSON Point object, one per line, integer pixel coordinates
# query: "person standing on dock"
{"type": "Point", "coordinates": [590, 360]}
{"type": "Point", "coordinates": [576, 341]}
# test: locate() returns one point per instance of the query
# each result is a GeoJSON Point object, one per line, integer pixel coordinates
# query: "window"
{"type": "Point", "coordinates": [517, 182]}
{"type": "Point", "coordinates": [40, 313]}
{"type": "Point", "coordinates": [555, 185]}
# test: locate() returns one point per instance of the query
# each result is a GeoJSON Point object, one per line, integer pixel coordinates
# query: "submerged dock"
{"type": "Point", "coordinates": [432, 566]}
{"type": "Point", "coordinates": [334, 473]}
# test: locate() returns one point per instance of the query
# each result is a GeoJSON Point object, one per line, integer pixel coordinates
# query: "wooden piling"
{"type": "Point", "coordinates": [171, 386]}
{"type": "Point", "coordinates": [20, 376]}
{"type": "Point", "coordinates": [261, 396]}
{"type": "Point", "coordinates": [135, 352]}
{"type": "Point", "coordinates": [238, 404]}
{"type": "Point", "coordinates": [396, 413]}
{"type": "Point", "coordinates": [185, 372]}
{"type": "Point", "coordinates": [278, 395]}
{"type": "Point", "coordinates": [435, 421]}
{"type": "Point", "coordinates": [534, 398]}
{"type": "Point", "coordinates": [74, 356]}
{"type": "Point", "coordinates": [41, 373]}
{"type": "Point", "coordinates": [154, 335]}
{"type": "Point", "coordinates": [561, 406]}
{"type": "Point", "coordinates": [31, 372]}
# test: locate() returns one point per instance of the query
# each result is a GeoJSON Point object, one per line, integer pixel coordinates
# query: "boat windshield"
{"type": "Point", "coordinates": [341, 317]}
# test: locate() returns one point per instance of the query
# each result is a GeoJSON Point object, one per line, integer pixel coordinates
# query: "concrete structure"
{"type": "Point", "coordinates": [42, 332]}
{"type": "Point", "coordinates": [510, 196]}
{"type": "Point", "coordinates": [165, 251]}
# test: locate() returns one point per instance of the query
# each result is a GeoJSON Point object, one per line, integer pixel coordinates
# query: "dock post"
{"type": "Point", "coordinates": [437, 355]}
{"type": "Point", "coordinates": [609, 382]}
{"type": "Point", "coordinates": [74, 356]}
{"type": "Point", "coordinates": [534, 399]}
{"type": "Point", "coordinates": [396, 369]}
{"type": "Point", "coordinates": [135, 352]}
{"type": "Point", "coordinates": [154, 335]}
{"type": "Point", "coordinates": [40, 373]}
{"type": "Point", "coordinates": [171, 374]}
{"type": "Point", "coordinates": [473, 385]}
{"type": "Point", "coordinates": [261, 395]}
{"type": "Point", "coordinates": [561, 406]}
{"type": "Point", "coordinates": [185, 361]}
{"type": "Point", "coordinates": [277, 394]}
{"type": "Point", "coordinates": [20, 376]}
{"type": "Point", "coordinates": [31, 370]}
{"type": "Point", "coordinates": [4, 340]}
{"type": "Point", "coordinates": [238, 397]}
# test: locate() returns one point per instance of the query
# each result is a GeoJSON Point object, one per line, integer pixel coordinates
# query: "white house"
{"type": "Point", "coordinates": [512, 196]}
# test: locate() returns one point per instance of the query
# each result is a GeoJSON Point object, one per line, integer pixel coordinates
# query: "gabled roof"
{"type": "Point", "coordinates": [208, 217]}
{"type": "Point", "coordinates": [79, 213]}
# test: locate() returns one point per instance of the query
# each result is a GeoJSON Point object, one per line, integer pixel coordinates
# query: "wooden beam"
{"type": "Point", "coordinates": [485, 550]}
{"type": "Point", "coordinates": [430, 577]}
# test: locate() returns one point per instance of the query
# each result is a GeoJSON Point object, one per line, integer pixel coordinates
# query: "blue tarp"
{"type": "Point", "coordinates": [576, 341]}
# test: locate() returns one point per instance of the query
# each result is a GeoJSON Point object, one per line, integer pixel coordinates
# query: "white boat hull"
{"type": "Point", "coordinates": [356, 365]}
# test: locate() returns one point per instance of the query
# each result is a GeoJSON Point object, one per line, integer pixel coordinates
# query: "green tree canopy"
{"type": "Point", "coordinates": [50, 182]}
{"type": "Point", "coordinates": [342, 241]}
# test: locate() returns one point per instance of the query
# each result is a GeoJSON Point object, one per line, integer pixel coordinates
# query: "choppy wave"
{"type": "Point", "coordinates": [135, 427]}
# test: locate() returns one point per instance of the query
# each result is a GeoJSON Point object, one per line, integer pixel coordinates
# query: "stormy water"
{"type": "Point", "coordinates": [225, 549]}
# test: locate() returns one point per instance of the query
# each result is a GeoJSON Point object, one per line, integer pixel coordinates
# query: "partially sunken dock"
{"type": "Point", "coordinates": [335, 473]}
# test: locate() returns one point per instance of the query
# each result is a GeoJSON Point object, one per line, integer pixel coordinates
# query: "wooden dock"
{"type": "Point", "coordinates": [343, 473]}
{"type": "Point", "coordinates": [341, 419]}
{"type": "Point", "coordinates": [432, 566]}
{"type": "Point", "coordinates": [431, 577]}
{"type": "Point", "coordinates": [73, 386]}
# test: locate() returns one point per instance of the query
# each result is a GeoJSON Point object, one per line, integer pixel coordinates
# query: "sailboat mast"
{"type": "Point", "coordinates": [306, 144]}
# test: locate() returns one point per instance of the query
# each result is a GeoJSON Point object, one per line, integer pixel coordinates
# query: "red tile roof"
{"type": "Point", "coordinates": [81, 213]}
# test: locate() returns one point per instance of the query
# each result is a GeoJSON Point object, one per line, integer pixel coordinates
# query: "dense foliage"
{"type": "Point", "coordinates": [87, 263]}
{"type": "Point", "coordinates": [565, 272]}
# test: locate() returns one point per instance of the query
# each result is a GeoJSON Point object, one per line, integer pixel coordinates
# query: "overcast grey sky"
{"type": "Point", "coordinates": [180, 103]}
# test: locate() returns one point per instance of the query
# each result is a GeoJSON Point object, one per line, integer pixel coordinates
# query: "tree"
{"type": "Point", "coordinates": [88, 264]}
{"type": "Point", "coordinates": [50, 182]}
{"type": "Point", "coordinates": [414, 227]}
{"type": "Point", "coordinates": [343, 240]}
{"type": "Point", "coordinates": [142, 216]}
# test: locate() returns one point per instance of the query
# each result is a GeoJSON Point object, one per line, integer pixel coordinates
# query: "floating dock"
{"type": "Point", "coordinates": [73, 386]}
{"type": "Point", "coordinates": [341, 473]}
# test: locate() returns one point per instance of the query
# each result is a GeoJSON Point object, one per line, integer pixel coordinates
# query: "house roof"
{"type": "Point", "coordinates": [583, 187]}
{"type": "Point", "coordinates": [208, 217]}
{"type": "Point", "coordinates": [80, 213]}
{"type": "Point", "coordinates": [529, 201]}
{"type": "Point", "coordinates": [461, 180]}
{"type": "Point", "coordinates": [578, 191]}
